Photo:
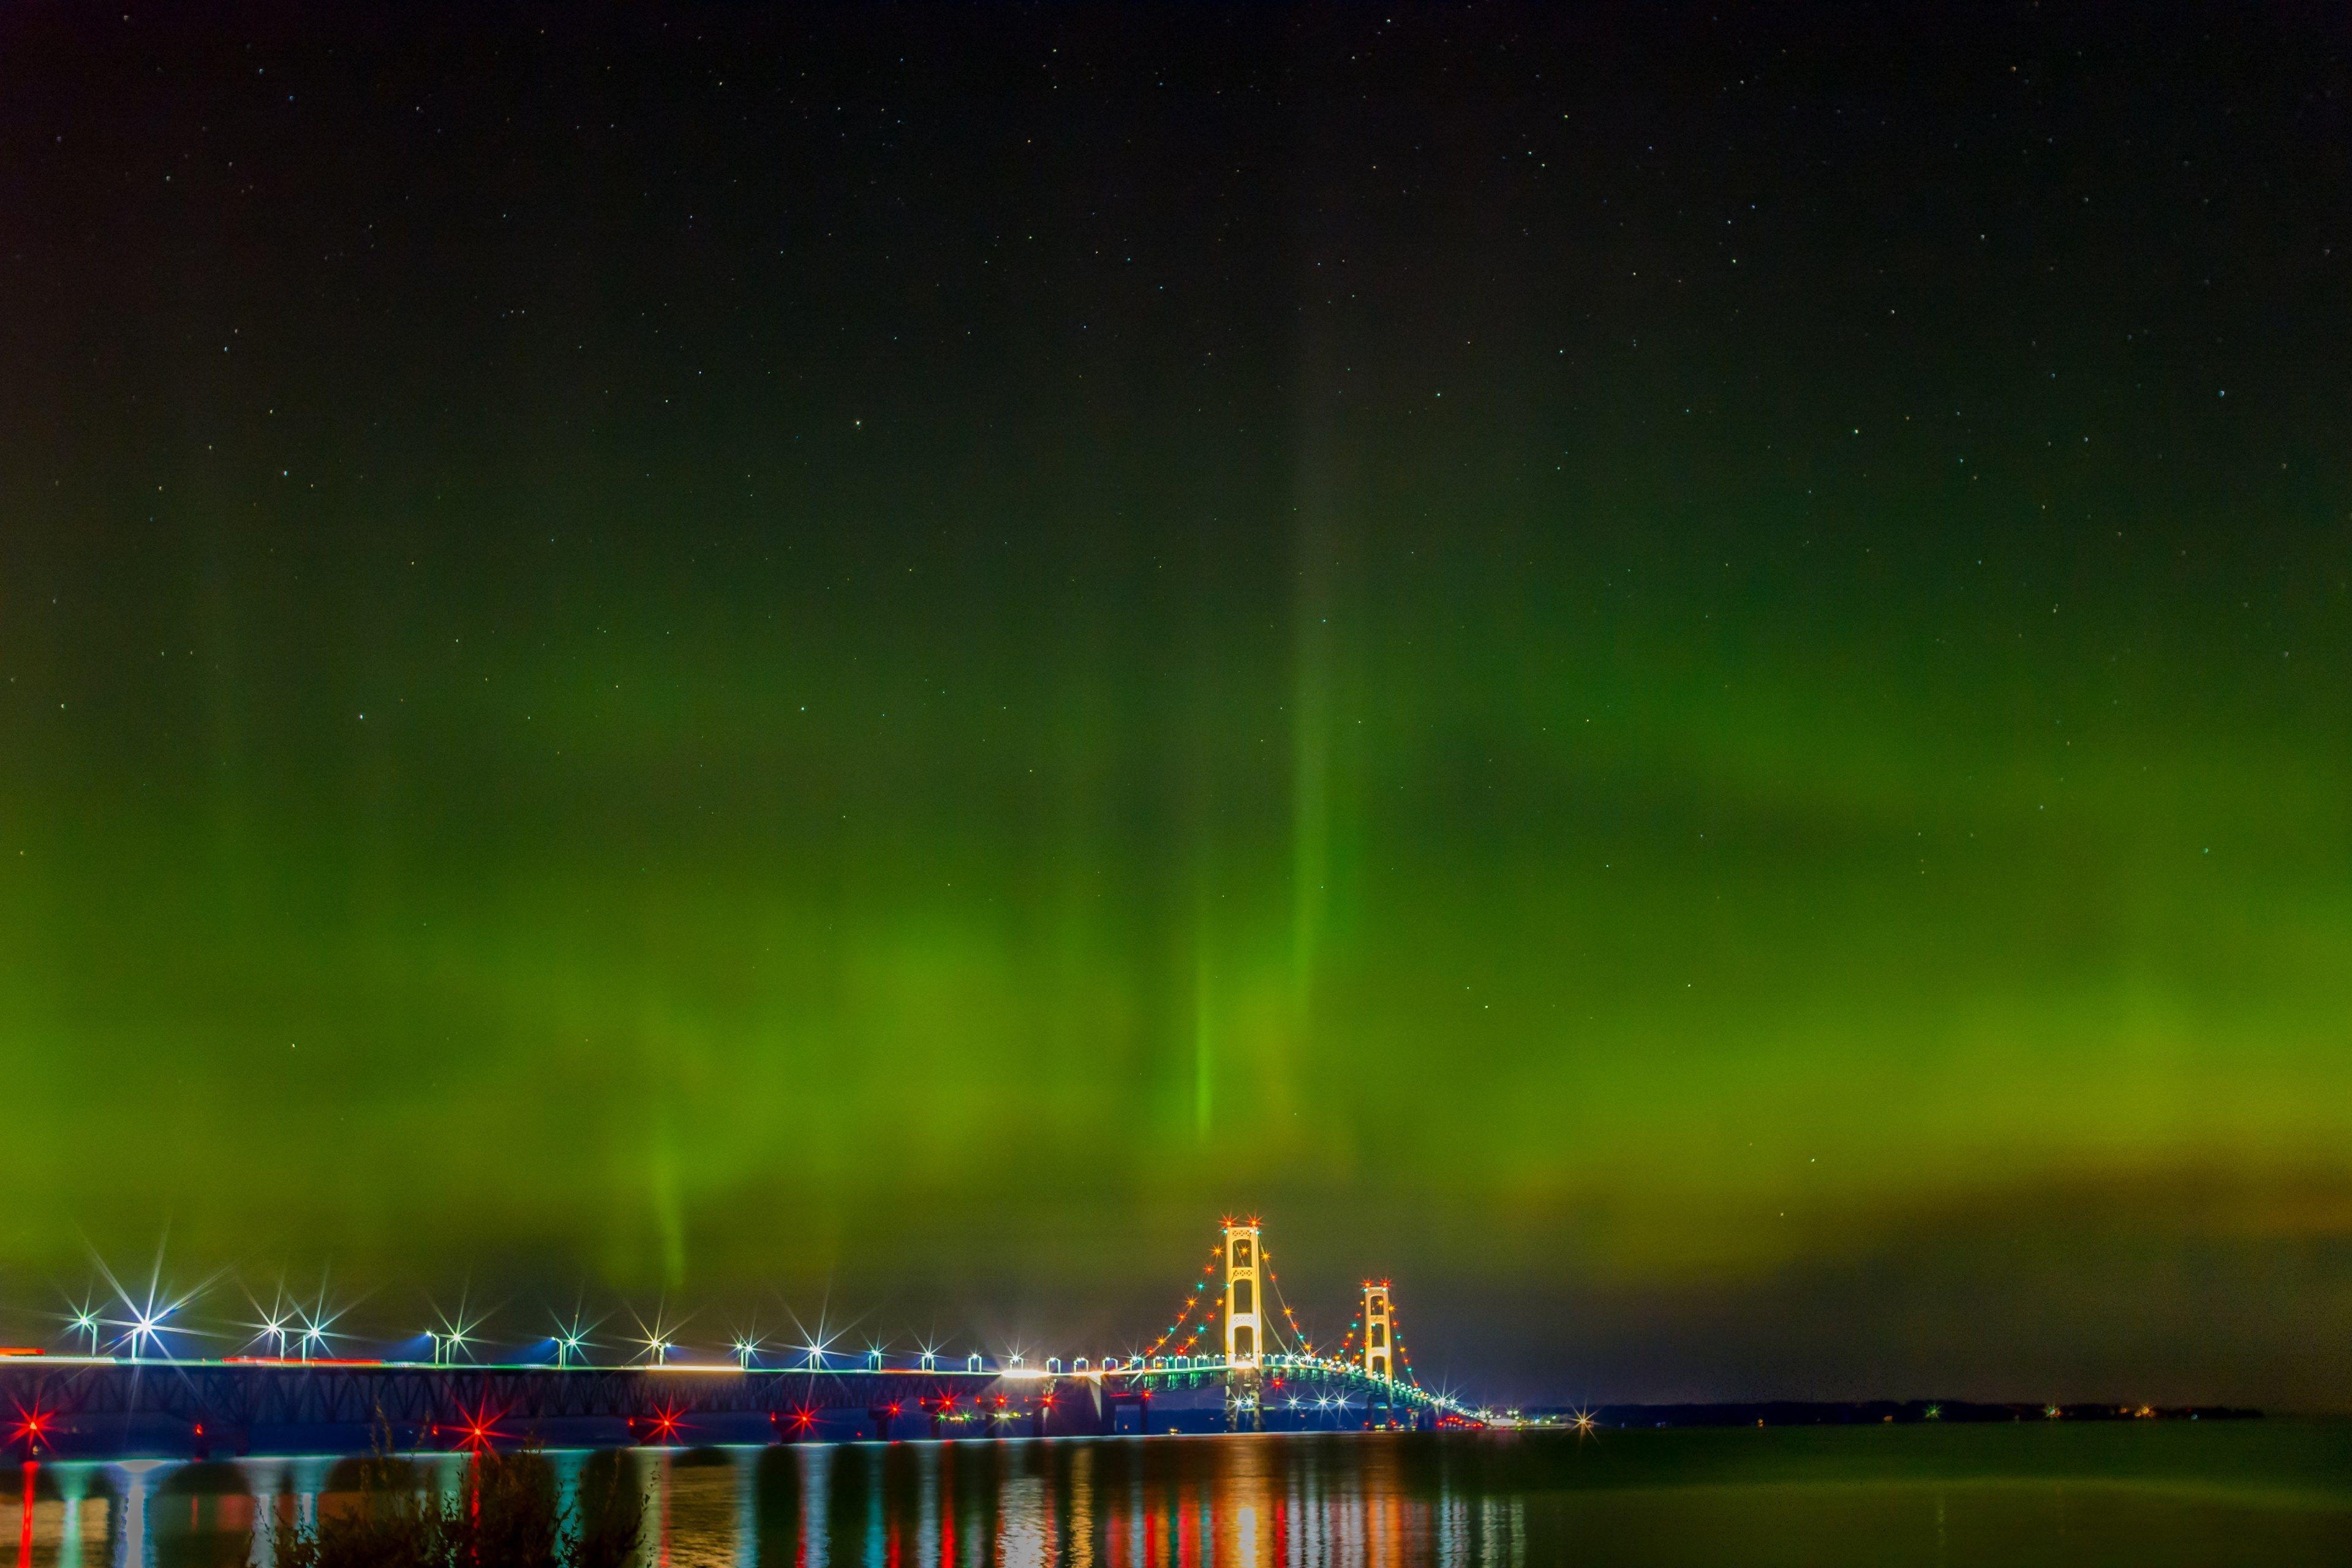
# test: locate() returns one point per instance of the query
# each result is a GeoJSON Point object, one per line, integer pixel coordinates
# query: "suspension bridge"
{"type": "Point", "coordinates": [1234, 1356]}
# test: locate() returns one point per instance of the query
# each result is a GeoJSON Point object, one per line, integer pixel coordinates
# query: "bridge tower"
{"type": "Point", "coordinates": [1379, 1359]}
{"type": "Point", "coordinates": [1244, 1325]}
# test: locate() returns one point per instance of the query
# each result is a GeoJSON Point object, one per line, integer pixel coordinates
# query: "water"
{"type": "Point", "coordinates": [2265, 1492]}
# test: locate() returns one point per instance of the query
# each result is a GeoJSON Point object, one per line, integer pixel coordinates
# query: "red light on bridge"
{"type": "Point", "coordinates": [480, 1427]}
{"type": "Point", "coordinates": [22, 1350]}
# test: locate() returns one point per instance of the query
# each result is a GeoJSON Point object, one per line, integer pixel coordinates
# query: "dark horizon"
{"type": "Point", "coordinates": [1676, 674]}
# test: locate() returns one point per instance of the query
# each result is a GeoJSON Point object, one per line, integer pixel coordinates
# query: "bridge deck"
{"type": "Point", "coordinates": [46, 1398]}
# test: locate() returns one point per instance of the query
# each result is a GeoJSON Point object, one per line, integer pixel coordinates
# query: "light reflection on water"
{"type": "Point", "coordinates": [1316, 1501]}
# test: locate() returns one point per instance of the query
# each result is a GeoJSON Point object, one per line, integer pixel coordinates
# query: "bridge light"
{"type": "Point", "coordinates": [571, 1338]}
{"type": "Point", "coordinates": [145, 1328]}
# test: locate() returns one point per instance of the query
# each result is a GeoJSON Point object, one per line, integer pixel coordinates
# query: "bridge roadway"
{"type": "Point", "coordinates": [93, 1404]}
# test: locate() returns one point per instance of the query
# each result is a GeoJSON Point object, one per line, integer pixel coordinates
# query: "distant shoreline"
{"type": "Point", "coordinates": [1868, 1412]}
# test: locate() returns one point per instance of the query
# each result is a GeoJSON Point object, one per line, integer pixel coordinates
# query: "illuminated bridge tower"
{"type": "Point", "coordinates": [1244, 1326]}
{"type": "Point", "coordinates": [1380, 1359]}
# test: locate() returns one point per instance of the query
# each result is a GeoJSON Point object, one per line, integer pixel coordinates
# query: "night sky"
{"type": "Point", "coordinates": [1682, 676]}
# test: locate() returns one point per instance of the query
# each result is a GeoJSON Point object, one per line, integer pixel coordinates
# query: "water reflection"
{"type": "Point", "coordinates": [1297, 1501]}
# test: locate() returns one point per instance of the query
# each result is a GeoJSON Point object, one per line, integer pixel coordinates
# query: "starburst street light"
{"type": "Point", "coordinates": [272, 1325]}
{"type": "Point", "coordinates": [453, 1336]}
{"type": "Point", "coordinates": [145, 1314]}
{"type": "Point", "coordinates": [571, 1338]}
{"type": "Point", "coordinates": [146, 1329]}
{"type": "Point", "coordinates": [816, 1343]}
{"type": "Point", "coordinates": [315, 1325]}
{"type": "Point", "coordinates": [86, 1323]}
{"type": "Point", "coordinates": [654, 1338]}
{"type": "Point", "coordinates": [747, 1350]}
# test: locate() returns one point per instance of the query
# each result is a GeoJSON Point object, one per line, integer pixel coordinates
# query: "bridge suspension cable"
{"type": "Point", "coordinates": [1297, 1343]}
{"type": "Point", "coordinates": [1192, 1301]}
{"type": "Point", "coordinates": [1347, 1351]}
{"type": "Point", "coordinates": [1405, 1374]}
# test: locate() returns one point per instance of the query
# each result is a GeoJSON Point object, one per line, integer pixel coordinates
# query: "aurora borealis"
{"type": "Point", "coordinates": [1683, 680]}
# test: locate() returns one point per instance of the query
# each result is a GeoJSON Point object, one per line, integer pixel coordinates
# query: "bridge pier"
{"type": "Point", "coordinates": [881, 1416]}
{"type": "Point", "coordinates": [1244, 1402]}
{"type": "Point", "coordinates": [208, 1435]}
{"type": "Point", "coordinates": [1141, 1399]}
